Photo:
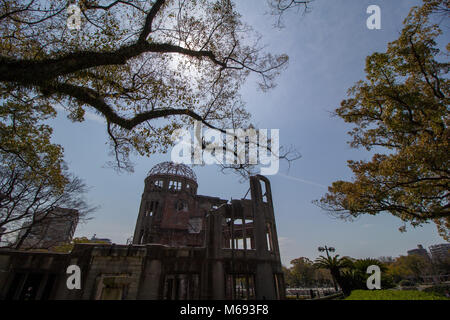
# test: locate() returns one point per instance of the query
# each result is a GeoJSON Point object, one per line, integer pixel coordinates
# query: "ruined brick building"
{"type": "Point", "coordinates": [185, 246]}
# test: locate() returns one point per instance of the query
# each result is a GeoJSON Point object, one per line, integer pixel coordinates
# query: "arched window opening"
{"type": "Point", "coordinates": [174, 185]}
{"type": "Point", "coordinates": [158, 184]}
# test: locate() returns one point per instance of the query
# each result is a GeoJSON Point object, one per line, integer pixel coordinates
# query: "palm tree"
{"type": "Point", "coordinates": [362, 264]}
{"type": "Point", "coordinates": [335, 265]}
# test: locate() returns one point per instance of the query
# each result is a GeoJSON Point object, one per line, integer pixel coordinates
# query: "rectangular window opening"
{"type": "Point", "coordinates": [226, 233]}
{"type": "Point", "coordinates": [159, 184]}
{"type": "Point", "coordinates": [269, 237]}
{"type": "Point", "coordinates": [240, 287]}
{"type": "Point", "coordinates": [182, 287]}
{"type": "Point", "coordinates": [249, 234]}
{"type": "Point", "coordinates": [174, 185]}
{"type": "Point", "coordinates": [264, 192]}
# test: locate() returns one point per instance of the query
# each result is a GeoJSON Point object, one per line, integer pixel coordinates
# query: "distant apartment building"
{"type": "Point", "coordinates": [440, 252]}
{"type": "Point", "coordinates": [51, 229]}
{"type": "Point", "coordinates": [420, 250]}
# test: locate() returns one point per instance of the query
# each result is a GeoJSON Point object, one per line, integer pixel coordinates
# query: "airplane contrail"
{"type": "Point", "coordinates": [303, 180]}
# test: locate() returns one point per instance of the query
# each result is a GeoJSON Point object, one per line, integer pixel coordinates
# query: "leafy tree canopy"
{"type": "Point", "coordinates": [411, 266]}
{"type": "Point", "coordinates": [303, 273]}
{"type": "Point", "coordinates": [67, 247]}
{"type": "Point", "coordinates": [401, 108]}
{"type": "Point", "coordinates": [146, 67]}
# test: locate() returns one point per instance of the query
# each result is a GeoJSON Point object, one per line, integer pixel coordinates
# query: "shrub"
{"type": "Point", "coordinates": [387, 281]}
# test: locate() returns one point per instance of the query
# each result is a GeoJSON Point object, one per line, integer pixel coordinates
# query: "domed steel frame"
{"type": "Point", "coordinates": [174, 169]}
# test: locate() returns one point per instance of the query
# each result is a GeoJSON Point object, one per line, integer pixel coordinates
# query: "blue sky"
{"type": "Point", "coordinates": [327, 50]}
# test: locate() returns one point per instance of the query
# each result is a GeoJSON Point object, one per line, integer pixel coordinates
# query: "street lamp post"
{"type": "Point", "coordinates": [329, 249]}
{"type": "Point", "coordinates": [325, 248]}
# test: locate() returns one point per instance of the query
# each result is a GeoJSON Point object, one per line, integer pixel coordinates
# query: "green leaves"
{"type": "Point", "coordinates": [25, 140]}
{"type": "Point", "coordinates": [402, 107]}
{"type": "Point", "coordinates": [303, 273]}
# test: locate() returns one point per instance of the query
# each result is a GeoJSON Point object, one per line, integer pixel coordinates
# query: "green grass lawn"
{"type": "Point", "coordinates": [393, 295]}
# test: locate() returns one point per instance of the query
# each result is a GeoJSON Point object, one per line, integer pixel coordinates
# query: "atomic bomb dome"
{"type": "Point", "coordinates": [173, 169]}
{"type": "Point", "coordinates": [185, 247]}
